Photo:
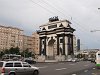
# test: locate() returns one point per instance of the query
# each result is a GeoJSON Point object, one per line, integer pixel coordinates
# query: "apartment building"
{"type": "Point", "coordinates": [27, 43]}
{"type": "Point", "coordinates": [74, 44]}
{"type": "Point", "coordinates": [10, 37]}
{"type": "Point", "coordinates": [35, 42]}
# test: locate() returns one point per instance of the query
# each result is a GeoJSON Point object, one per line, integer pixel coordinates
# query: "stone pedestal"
{"type": "Point", "coordinates": [41, 58]}
{"type": "Point", "coordinates": [60, 58]}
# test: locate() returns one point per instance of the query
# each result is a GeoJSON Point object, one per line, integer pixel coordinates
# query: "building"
{"type": "Point", "coordinates": [78, 44]}
{"type": "Point", "coordinates": [74, 45]}
{"type": "Point", "coordinates": [13, 37]}
{"type": "Point", "coordinates": [35, 43]}
{"type": "Point", "coordinates": [90, 53]}
{"type": "Point", "coordinates": [56, 40]}
{"type": "Point", "coordinates": [10, 37]}
{"type": "Point", "coordinates": [27, 43]}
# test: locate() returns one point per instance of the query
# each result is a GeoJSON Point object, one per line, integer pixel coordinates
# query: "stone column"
{"type": "Point", "coordinates": [72, 52]}
{"type": "Point", "coordinates": [70, 44]}
{"type": "Point", "coordinates": [69, 48]}
{"type": "Point", "coordinates": [44, 46]}
{"type": "Point", "coordinates": [40, 49]}
{"type": "Point", "coordinates": [63, 44]}
{"type": "Point", "coordinates": [57, 45]}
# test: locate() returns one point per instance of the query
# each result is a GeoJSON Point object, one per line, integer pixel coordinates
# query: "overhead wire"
{"type": "Point", "coordinates": [83, 29]}
{"type": "Point", "coordinates": [46, 3]}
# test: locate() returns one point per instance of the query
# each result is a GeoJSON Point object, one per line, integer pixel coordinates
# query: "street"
{"type": "Point", "coordinates": [68, 68]}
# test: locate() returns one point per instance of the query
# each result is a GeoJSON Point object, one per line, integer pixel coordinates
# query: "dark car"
{"type": "Point", "coordinates": [30, 61]}
{"type": "Point", "coordinates": [93, 60]}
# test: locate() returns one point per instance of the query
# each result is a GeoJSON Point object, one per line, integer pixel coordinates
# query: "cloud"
{"type": "Point", "coordinates": [29, 16]}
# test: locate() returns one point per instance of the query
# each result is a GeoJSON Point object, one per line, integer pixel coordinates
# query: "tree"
{"type": "Point", "coordinates": [26, 53]}
{"type": "Point", "coordinates": [14, 50]}
{"type": "Point", "coordinates": [1, 54]}
{"type": "Point", "coordinates": [6, 51]}
{"type": "Point", "coordinates": [17, 50]}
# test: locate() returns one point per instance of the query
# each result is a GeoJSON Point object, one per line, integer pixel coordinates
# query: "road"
{"type": "Point", "coordinates": [67, 68]}
{"type": "Point", "coordinates": [89, 71]}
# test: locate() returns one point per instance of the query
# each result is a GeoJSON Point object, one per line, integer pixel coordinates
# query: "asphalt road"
{"type": "Point", "coordinates": [67, 68]}
{"type": "Point", "coordinates": [89, 71]}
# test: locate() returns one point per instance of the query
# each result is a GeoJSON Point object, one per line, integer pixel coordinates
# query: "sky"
{"type": "Point", "coordinates": [30, 14]}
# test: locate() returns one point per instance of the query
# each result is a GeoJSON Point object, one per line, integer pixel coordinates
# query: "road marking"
{"type": "Point", "coordinates": [61, 69]}
{"type": "Point", "coordinates": [85, 70]}
{"type": "Point", "coordinates": [73, 74]}
{"type": "Point", "coordinates": [43, 67]}
{"type": "Point", "coordinates": [93, 68]}
{"type": "Point", "coordinates": [93, 73]}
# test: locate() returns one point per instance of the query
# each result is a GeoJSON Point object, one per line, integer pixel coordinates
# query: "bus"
{"type": "Point", "coordinates": [97, 61]}
{"type": "Point", "coordinates": [11, 57]}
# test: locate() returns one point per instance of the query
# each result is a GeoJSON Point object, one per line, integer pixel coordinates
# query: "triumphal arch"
{"type": "Point", "coordinates": [56, 40]}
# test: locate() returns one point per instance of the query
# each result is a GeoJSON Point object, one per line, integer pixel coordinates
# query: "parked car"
{"type": "Point", "coordinates": [93, 60]}
{"type": "Point", "coordinates": [30, 61]}
{"type": "Point", "coordinates": [17, 68]}
{"type": "Point", "coordinates": [69, 60]}
{"type": "Point", "coordinates": [75, 60]}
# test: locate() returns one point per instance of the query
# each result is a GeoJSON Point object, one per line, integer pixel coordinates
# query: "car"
{"type": "Point", "coordinates": [30, 61]}
{"type": "Point", "coordinates": [69, 60]}
{"type": "Point", "coordinates": [75, 60]}
{"type": "Point", "coordinates": [93, 60]}
{"type": "Point", "coordinates": [17, 68]}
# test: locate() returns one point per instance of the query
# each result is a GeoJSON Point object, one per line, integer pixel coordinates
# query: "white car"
{"type": "Point", "coordinates": [69, 60]}
{"type": "Point", "coordinates": [75, 60]}
{"type": "Point", "coordinates": [17, 68]}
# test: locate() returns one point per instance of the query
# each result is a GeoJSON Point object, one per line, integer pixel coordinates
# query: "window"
{"type": "Point", "coordinates": [43, 42]}
{"type": "Point", "coordinates": [17, 65]}
{"type": "Point", "coordinates": [61, 40]}
{"type": "Point", "coordinates": [52, 26]}
{"type": "Point", "coordinates": [1, 64]}
{"type": "Point", "coordinates": [26, 65]}
{"type": "Point", "coordinates": [9, 65]}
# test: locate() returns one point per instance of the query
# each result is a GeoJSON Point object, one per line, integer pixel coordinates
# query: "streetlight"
{"type": "Point", "coordinates": [95, 30]}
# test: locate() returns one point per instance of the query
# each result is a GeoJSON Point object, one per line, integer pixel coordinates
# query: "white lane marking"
{"type": "Point", "coordinates": [43, 67]}
{"type": "Point", "coordinates": [93, 68]}
{"type": "Point", "coordinates": [93, 73]}
{"type": "Point", "coordinates": [85, 70]}
{"type": "Point", "coordinates": [61, 69]}
{"type": "Point", "coordinates": [73, 74]}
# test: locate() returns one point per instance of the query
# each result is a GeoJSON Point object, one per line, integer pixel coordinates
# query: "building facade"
{"type": "Point", "coordinates": [10, 37]}
{"type": "Point", "coordinates": [28, 43]}
{"type": "Point", "coordinates": [13, 37]}
{"type": "Point", "coordinates": [35, 43]}
{"type": "Point", "coordinates": [56, 40]}
{"type": "Point", "coordinates": [74, 45]}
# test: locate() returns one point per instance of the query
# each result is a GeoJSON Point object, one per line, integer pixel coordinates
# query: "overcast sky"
{"type": "Point", "coordinates": [30, 14]}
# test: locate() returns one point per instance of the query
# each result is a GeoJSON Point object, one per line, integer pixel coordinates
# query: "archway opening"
{"type": "Point", "coordinates": [51, 49]}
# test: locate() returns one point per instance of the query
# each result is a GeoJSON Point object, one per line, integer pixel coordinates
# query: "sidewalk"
{"type": "Point", "coordinates": [51, 61]}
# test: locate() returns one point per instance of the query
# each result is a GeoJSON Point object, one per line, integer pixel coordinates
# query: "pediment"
{"type": "Point", "coordinates": [61, 25]}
